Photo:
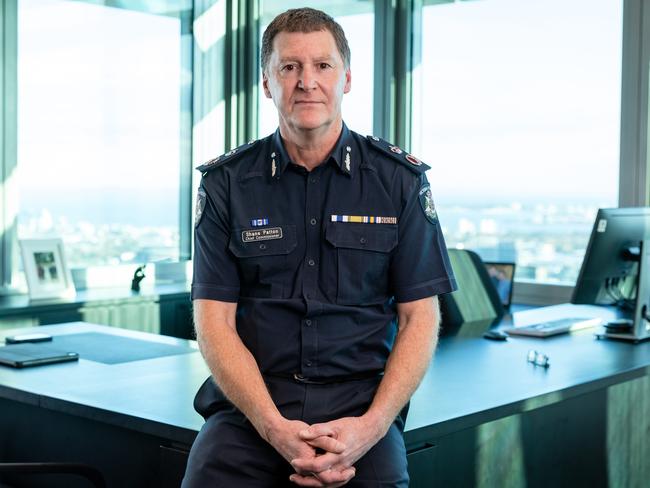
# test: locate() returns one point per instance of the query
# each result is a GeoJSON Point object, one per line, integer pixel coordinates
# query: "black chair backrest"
{"type": "Point", "coordinates": [476, 298]}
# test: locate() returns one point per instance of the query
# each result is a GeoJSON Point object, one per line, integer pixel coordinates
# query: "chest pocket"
{"type": "Point", "coordinates": [362, 260]}
{"type": "Point", "coordinates": [264, 269]}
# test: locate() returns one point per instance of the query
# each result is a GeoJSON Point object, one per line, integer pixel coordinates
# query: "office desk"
{"type": "Point", "coordinates": [482, 416]}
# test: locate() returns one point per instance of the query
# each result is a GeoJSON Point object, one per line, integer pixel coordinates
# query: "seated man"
{"type": "Point", "coordinates": [318, 259]}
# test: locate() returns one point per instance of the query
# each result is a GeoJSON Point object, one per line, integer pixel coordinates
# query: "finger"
{"type": "Point", "coordinates": [317, 430]}
{"type": "Point", "coordinates": [316, 464]}
{"type": "Point", "coordinates": [329, 479]}
{"type": "Point", "coordinates": [334, 476]}
{"type": "Point", "coordinates": [336, 485]}
{"type": "Point", "coordinates": [328, 444]}
{"type": "Point", "coordinates": [302, 480]}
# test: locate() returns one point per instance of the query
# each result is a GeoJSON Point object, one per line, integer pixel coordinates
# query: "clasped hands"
{"type": "Point", "coordinates": [323, 454]}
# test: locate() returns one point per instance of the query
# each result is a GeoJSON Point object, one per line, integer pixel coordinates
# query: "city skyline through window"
{"type": "Point", "coordinates": [517, 111]}
{"type": "Point", "coordinates": [99, 130]}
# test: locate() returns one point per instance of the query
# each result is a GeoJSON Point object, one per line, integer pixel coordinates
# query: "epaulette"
{"type": "Point", "coordinates": [224, 158]}
{"type": "Point", "coordinates": [408, 160]}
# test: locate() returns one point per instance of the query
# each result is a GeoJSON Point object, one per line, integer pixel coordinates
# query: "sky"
{"type": "Point", "coordinates": [520, 99]}
{"type": "Point", "coordinates": [99, 97]}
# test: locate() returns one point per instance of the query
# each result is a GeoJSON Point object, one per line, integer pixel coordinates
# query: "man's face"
{"type": "Point", "coordinates": [306, 78]}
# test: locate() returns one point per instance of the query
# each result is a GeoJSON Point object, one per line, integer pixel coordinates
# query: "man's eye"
{"type": "Point", "coordinates": [324, 66]}
{"type": "Point", "coordinates": [288, 67]}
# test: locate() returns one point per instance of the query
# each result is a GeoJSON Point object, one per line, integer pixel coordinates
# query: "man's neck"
{"type": "Point", "coordinates": [310, 148]}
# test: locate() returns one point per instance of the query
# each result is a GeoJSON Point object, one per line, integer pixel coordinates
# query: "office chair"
{"type": "Point", "coordinates": [93, 475]}
{"type": "Point", "coordinates": [476, 301]}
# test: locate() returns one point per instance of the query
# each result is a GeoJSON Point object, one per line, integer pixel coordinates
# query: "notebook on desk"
{"type": "Point", "coordinates": [554, 327]}
{"type": "Point", "coordinates": [26, 355]}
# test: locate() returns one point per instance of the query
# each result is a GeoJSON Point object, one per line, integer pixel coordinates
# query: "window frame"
{"type": "Point", "coordinates": [8, 138]}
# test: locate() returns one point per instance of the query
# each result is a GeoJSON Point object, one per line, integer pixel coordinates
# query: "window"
{"type": "Point", "coordinates": [515, 103]}
{"type": "Point", "coordinates": [357, 19]}
{"type": "Point", "coordinates": [517, 110]}
{"type": "Point", "coordinates": [102, 116]}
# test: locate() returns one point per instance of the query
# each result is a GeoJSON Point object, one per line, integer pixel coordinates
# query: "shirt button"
{"type": "Point", "coordinates": [312, 180]}
{"type": "Point", "coordinates": [308, 363]}
{"type": "Point", "coordinates": [311, 262]}
{"type": "Point", "coordinates": [312, 221]}
{"type": "Point", "coordinates": [307, 322]}
{"type": "Point", "coordinates": [262, 246]}
{"type": "Point", "coordinates": [362, 240]}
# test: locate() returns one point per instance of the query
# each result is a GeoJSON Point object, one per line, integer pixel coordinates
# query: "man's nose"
{"type": "Point", "coordinates": [307, 80]}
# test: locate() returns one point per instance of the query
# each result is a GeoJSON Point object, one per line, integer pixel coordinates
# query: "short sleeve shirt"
{"type": "Point", "coordinates": [317, 260]}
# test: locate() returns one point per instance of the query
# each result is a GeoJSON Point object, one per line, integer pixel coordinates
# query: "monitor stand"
{"type": "Point", "coordinates": [641, 325]}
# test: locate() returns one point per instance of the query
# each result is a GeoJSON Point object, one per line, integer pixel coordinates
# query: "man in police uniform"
{"type": "Point", "coordinates": [318, 259]}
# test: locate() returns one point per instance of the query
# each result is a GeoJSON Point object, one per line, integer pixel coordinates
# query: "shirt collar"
{"type": "Point", "coordinates": [343, 154]}
{"type": "Point", "coordinates": [279, 158]}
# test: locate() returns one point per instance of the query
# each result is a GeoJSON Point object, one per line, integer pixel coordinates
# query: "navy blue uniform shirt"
{"type": "Point", "coordinates": [316, 261]}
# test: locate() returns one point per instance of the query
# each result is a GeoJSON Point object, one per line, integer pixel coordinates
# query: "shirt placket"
{"type": "Point", "coordinates": [310, 289]}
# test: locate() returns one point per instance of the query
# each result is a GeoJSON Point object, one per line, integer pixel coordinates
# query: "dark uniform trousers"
{"type": "Point", "coordinates": [228, 452]}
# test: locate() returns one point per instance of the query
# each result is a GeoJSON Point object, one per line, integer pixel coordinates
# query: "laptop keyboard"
{"type": "Point", "coordinates": [554, 327]}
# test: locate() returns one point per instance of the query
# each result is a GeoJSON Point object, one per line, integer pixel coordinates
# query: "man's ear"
{"type": "Point", "coordinates": [348, 81]}
{"type": "Point", "coordinates": [265, 85]}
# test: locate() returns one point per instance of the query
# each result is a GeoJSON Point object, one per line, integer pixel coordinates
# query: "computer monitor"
{"type": "Point", "coordinates": [615, 269]}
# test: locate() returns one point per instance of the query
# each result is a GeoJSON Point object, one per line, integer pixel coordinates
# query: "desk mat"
{"type": "Point", "coordinates": [113, 349]}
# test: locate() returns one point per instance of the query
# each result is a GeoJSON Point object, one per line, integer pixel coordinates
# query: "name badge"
{"type": "Point", "coordinates": [261, 234]}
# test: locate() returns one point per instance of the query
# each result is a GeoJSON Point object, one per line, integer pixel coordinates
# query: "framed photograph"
{"type": "Point", "coordinates": [502, 275]}
{"type": "Point", "coordinates": [45, 268]}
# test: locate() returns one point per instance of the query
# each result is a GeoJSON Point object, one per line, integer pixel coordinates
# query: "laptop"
{"type": "Point", "coordinates": [554, 327]}
{"type": "Point", "coordinates": [26, 355]}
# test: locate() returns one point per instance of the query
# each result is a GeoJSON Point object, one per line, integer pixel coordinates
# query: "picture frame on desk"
{"type": "Point", "coordinates": [46, 271]}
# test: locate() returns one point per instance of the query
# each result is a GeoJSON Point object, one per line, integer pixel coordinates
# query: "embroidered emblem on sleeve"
{"type": "Point", "coordinates": [426, 202]}
{"type": "Point", "coordinates": [200, 206]}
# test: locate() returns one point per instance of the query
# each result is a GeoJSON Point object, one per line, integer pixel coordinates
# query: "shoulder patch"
{"type": "Point", "coordinates": [200, 206]}
{"type": "Point", "coordinates": [394, 152]}
{"type": "Point", "coordinates": [426, 202]}
{"type": "Point", "coordinates": [224, 158]}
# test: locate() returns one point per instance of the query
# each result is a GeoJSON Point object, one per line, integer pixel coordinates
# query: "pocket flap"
{"type": "Point", "coordinates": [369, 237]}
{"type": "Point", "coordinates": [244, 243]}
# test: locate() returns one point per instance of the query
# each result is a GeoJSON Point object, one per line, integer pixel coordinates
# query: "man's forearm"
{"type": "Point", "coordinates": [233, 367]}
{"type": "Point", "coordinates": [415, 343]}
